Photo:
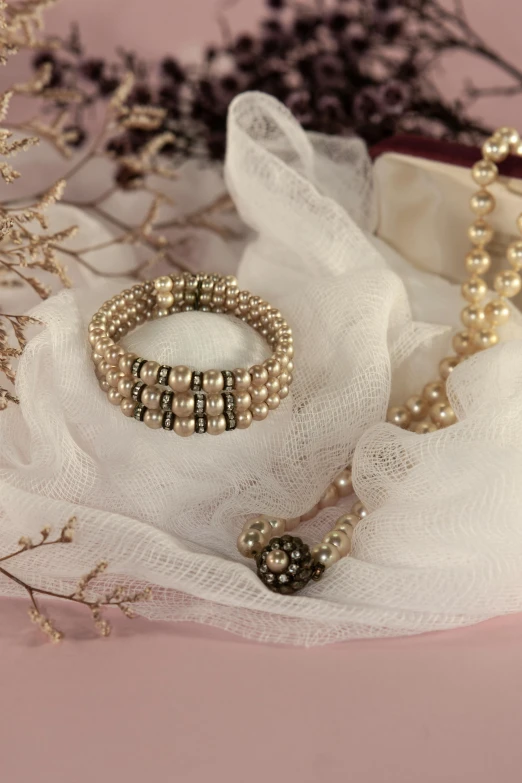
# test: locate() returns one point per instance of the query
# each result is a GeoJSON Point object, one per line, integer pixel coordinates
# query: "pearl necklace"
{"type": "Point", "coordinates": [284, 563]}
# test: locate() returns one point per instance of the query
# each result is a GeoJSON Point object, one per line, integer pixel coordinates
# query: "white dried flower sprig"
{"type": "Point", "coordinates": [118, 596]}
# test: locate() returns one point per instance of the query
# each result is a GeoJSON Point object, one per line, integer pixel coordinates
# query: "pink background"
{"type": "Point", "coordinates": [162, 703]}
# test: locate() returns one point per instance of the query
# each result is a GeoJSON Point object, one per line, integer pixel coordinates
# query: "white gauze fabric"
{"type": "Point", "coordinates": [442, 545]}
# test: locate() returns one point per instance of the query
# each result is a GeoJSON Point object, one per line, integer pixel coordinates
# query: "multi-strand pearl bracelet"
{"type": "Point", "coordinates": [284, 563]}
{"type": "Point", "coordinates": [179, 398]}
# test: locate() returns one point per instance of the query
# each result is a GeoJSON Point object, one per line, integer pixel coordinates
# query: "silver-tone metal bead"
{"type": "Point", "coordinates": [166, 400]}
{"type": "Point", "coordinates": [136, 367]}
{"type": "Point", "coordinates": [168, 420]}
{"type": "Point", "coordinates": [163, 374]}
{"type": "Point", "coordinates": [140, 411]}
{"type": "Point", "coordinates": [137, 391]}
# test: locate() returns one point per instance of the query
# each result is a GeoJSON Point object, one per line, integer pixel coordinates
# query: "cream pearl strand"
{"type": "Point", "coordinates": [210, 402]}
{"type": "Point", "coordinates": [422, 413]}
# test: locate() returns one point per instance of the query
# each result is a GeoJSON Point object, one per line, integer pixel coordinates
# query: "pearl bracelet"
{"type": "Point", "coordinates": [284, 563]}
{"type": "Point", "coordinates": [179, 398]}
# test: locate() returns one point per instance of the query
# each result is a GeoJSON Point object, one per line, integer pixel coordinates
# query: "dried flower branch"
{"type": "Point", "coordinates": [27, 246]}
{"type": "Point", "coordinates": [117, 597]}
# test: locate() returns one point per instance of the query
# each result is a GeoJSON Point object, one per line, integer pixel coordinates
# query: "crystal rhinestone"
{"type": "Point", "coordinates": [137, 390]}
{"type": "Point", "coordinates": [139, 412]}
{"type": "Point", "coordinates": [263, 568]}
{"type": "Point", "coordinates": [275, 544]}
{"type": "Point", "coordinates": [269, 578]}
{"type": "Point", "coordinates": [283, 578]}
{"type": "Point", "coordinates": [201, 424]}
{"type": "Point", "coordinates": [168, 421]}
{"type": "Point", "coordinates": [288, 546]}
{"type": "Point", "coordinates": [136, 367]}
{"type": "Point", "coordinates": [166, 400]}
{"type": "Point", "coordinates": [229, 401]}
{"type": "Point", "coordinates": [231, 421]}
{"type": "Point", "coordinates": [197, 380]}
{"type": "Point", "coordinates": [296, 554]}
{"type": "Point", "coordinates": [293, 568]}
{"type": "Point", "coordinates": [228, 378]}
{"type": "Point", "coordinates": [163, 374]}
{"type": "Point", "coordinates": [200, 403]}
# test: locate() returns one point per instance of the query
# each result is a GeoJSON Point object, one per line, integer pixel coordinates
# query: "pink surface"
{"type": "Point", "coordinates": [161, 703]}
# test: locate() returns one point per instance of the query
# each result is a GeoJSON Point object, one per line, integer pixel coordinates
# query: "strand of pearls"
{"type": "Point", "coordinates": [179, 398]}
{"type": "Point", "coordinates": [422, 413]}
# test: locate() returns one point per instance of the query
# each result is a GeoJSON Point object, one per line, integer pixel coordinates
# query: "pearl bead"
{"type": "Point", "coordinates": [514, 254]}
{"type": "Point", "coordinates": [284, 391]}
{"type": "Point", "coordinates": [180, 378]}
{"type": "Point", "coordinates": [485, 338]}
{"type": "Point", "coordinates": [417, 407]}
{"type": "Point", "coordinates": [258, 393]}
{"type": "Point", "coordinates": [215, 404]}
{"type": "Point", "coordinates": [243, 420]}
{"type": "Point", "coordinates": [329, 497]}
{"type": "Point", "coordinates": [510, 135]}
{"type": "Point", "coordinates": [163, 283]}
{"type": "Point", "coordinates": [348, 519]}
{"type": "Point", "coordinates": [185, 426]}
{"type": "Point", "coordinates": [346, 528]}
{"type": "Point", "coordinates": [277, 561]}
{"type": "Point", "coordinates": [443, 414]}
{"type": "Point", "coordinates": [273, 401]}
{"type": "Point", "coordinates": [114, 396]}
{"type": "Point", "coordinates": [327, 554]}
{"type": "Point", "coordinates": [343, 482]}
{"type": "Point", "coordinates": [243, 401]}
{"type": "Point", "coordinates": [125, 386]}
{"type": "Point", "coordinates": [96, 335]}
{"type": "Point", "coordinates": [104, 384]}
{"type": "Point", "coordinates": [259, 375]}
{"type": "Point", "coordinates": [434, 391]}
{"type": "Point", "coordinates": [484, 172]}
{"type": "Point", "coordinates": [339, 539]}
{"type": "Point", "coordinates": [150, 397]}
{"type": "Point", "coordinates": [242, 379]}
{"type": "Point", "coordinates": [507, 283]}
{"type": "Point", "coordinates": [213, 381]}
{"type": "Point", "coordinates": [272, 385]}
{"type": "Point", "coordinates": [113, 354]}
{"type": "Point", "coordinates": [399, 415]}
{"type": "Point", "coordinates": [126, 361]}
{"type": "Point", "coordinates": [423, 427]}
{"type": "Point", "coordinates": [463, 343]}
{"type": "Point", "coordinates": [250, 543]}
{"type": "Point", "coordinates": [495, 148]}
{"type": "Point", "coordinates": [216, 425]}
{"type": "Point", "coordinates": [102, 344]}
{"type": "Point", "coordinates": [359, 510]}
{"type": "Point", "coordinates": [497, 312]}
{"type": "Point", "coordinates": [164, 299]}
{"type": "Point", "coordinates": [482, 203]}
{"type": "Point", "coordinates": [97, 358]}
{"type": "Point", "coordinates": [277, 524]}
{"type": "Point", "coordinates": [153, 419]}
{"type": "Point", "coordinates": [447, 365]}
{"type": "Point", "coordinates": [103, 368]}
{"type": "Point", "coordinates": [128, 407]}
{"type": "Point", "coordinates": [480, 232]}
{"type": "Point", "coordinates": [478, 261]}
{"type": "Point", "coordinates": [262, 524]}
{"type": "Point", "coordinates": [473, 316]}
{"type": "Point", "coordinates": [259, 411]}
{"type": "Point", "coordinates": [183, 404]}
{"type": "Point", "coordinates": [474, 290]}
{"type": "Point", "coordinates": [113, 377]}
{"type": "Point", "coordinates": [149, 373]}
